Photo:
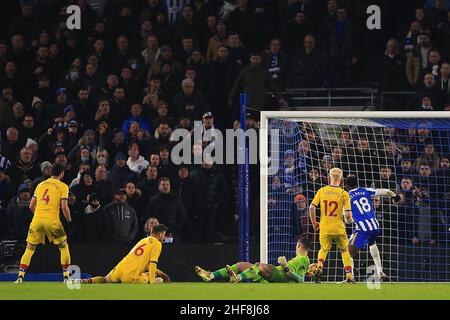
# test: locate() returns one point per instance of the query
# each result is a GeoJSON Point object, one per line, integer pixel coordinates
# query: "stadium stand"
{"type": "Point", "coordinates": [104, 100]}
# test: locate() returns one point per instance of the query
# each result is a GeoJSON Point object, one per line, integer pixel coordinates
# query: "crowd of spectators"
{"type": "Point", "coordinates": [105, 99]}
{"type": "Point", "coordinates": [412, 162]}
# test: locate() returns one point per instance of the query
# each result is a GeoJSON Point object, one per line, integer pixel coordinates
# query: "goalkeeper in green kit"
{"type": "Point", "coordinates": [293, 270]}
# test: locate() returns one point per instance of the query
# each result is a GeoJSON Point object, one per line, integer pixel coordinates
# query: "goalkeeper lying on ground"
{"type": "Point", "coordinates": [293, 270]}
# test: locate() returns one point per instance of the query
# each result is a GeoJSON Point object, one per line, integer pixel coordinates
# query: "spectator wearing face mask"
{"type": "Point", "coordinates": [86, 141]}
{"type": "Point", "coordinates": [101, 158]}
{"type": "Point", "coordinates": [91, 227]}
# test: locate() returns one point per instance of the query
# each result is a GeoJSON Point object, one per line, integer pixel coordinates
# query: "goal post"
{"type": "Point", "coordinates": [296, 150]}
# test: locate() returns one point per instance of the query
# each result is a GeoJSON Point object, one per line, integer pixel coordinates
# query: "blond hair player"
{"type": "Point", "coordinates": [334, 204]}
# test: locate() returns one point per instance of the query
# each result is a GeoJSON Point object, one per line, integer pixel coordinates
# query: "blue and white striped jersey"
{"type": "Point", "coordinates": [362, 209]}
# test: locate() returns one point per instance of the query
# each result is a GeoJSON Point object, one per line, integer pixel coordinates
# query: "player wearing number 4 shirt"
{"type": "Point", "coordinates": [49, 197]}
{"type": "Point", "coordinates": [334, 203]}
{"type": "Point", "coordinates": [140, 265]}
{"type": "Point", "coordinates": [367, 227]}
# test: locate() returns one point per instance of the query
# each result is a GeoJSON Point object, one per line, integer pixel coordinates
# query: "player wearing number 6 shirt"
{"type": "Point", "coordinates": [367, 227]}
{"type": "Point", "coordinates": [49, 197]}
{"type": "Point", "coordinates": [334, 203]}
{"type": "Point", "coordinates": [140, 265]}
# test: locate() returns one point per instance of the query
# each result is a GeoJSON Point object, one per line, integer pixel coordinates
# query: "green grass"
{"type": "Point", "coordinates": [223, 291]}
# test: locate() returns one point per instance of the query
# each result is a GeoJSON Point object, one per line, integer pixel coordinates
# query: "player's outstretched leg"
{"type": "Point", "coordinates": [375, 253]}
{"type": "Point", "coordinates": [258, 273]}
{"type": "Point", "coordinates": [25, 262]}
{"type": "Point", "coordinates": [206, 276]}
{"type": "Point", "coordinates": [94, 280]}
{"type": "Point", "coordinates": [222, 273]}
{"type": "Point", "coordinates": [65, 259]}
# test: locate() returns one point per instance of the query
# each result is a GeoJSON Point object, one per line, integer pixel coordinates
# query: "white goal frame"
{"type": "Point", "coordinates": [264, 151]}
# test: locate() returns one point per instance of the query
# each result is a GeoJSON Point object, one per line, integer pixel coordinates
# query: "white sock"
{"type": "Point", "coordinates": [375, 253]}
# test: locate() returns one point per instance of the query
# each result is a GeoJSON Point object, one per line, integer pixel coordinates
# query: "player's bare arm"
{"type": "Point", "coordinates": [313, 218]}
{"type": "Point", "coordinates": [32, 205]}
{"type": "Point", "coordinates": [66, 210]}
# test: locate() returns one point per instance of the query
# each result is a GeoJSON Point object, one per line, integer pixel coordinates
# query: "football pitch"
{"type": "Point", "coordinates": [223, 291]}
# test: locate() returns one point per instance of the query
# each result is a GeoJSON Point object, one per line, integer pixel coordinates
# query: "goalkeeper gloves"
{"type": "Point", "coordinates": [396, 198]}
{"type": "Point", "coordinates": [283, 263]}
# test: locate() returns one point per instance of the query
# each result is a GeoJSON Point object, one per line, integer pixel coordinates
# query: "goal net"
{"type": "Point", "coordinates": [405, 152]}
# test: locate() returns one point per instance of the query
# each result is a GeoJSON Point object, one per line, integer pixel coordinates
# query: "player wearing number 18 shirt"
{"type": "Point", "coordinates": [367, 227]}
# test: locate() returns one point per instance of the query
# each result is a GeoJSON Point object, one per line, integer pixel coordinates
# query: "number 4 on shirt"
{"type": "Point", "coordinates": [45, 197]}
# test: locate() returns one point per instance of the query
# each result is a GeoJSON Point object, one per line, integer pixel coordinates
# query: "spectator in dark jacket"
{"type": "Point", "coordinates": [275, 61]}
{"type": "Point", "coordinates": [90, 227]}
{"type": "Point", "coordinates": [11, 146]}
{"type": "Point", "coordinates": [255, 82]}
{"type": "Point", "coordinates": [23, 169]}
{"type": "Point", "coordinates": [149, 186]}
{"type": "Point", "coordinates": [184, 187]}
{"type": "Point", "coordinates": [222, 73]}
{"type": "Point", "coordinates": [136, 200]}
{"type": "Point", "coordinates": [121, 221]}
{"type": "Point", "coordinates": [167, 208]}
{"type": "Point", "coordinates": [391, 68]}
{"type": "Point", "coordinates": [296, 31]}
{"type": "Point", "coordinates": [120, 173]}
{"type": "Point", "coordinates": [188, 102]}
{"type": "Point", "coordinates": [46, 173]}
{"type": "Point", "coordinates": [342, 49]}
{"type": "Point", "coordinates": [309, 66]}
{"type": "Point", "coordinates": [19, 215]}
{"type": "Point", "coordinates": [83, 189]}
{"type": "Point", "coordinates": [210, 187]}
{"type": "Point", "coordinates": [5, 184]}
{"type": "Point", "coordinates": [103, 186]}
{"type": "Point", "coordinates": [431, 90]}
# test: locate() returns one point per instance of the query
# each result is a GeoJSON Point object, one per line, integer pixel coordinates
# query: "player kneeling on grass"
{"type": "Point", "coordinates": [293, 270]}
{"type": "Point", "coordinates": [139, 266]}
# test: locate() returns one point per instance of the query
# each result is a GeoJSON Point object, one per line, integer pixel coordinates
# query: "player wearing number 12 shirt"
{"type": "Point", "coordinates": [49, 197]}
{"type": "Point", "coordinates": [334, 204]}
{"type": "Point", "coordinates": [140, 264]}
